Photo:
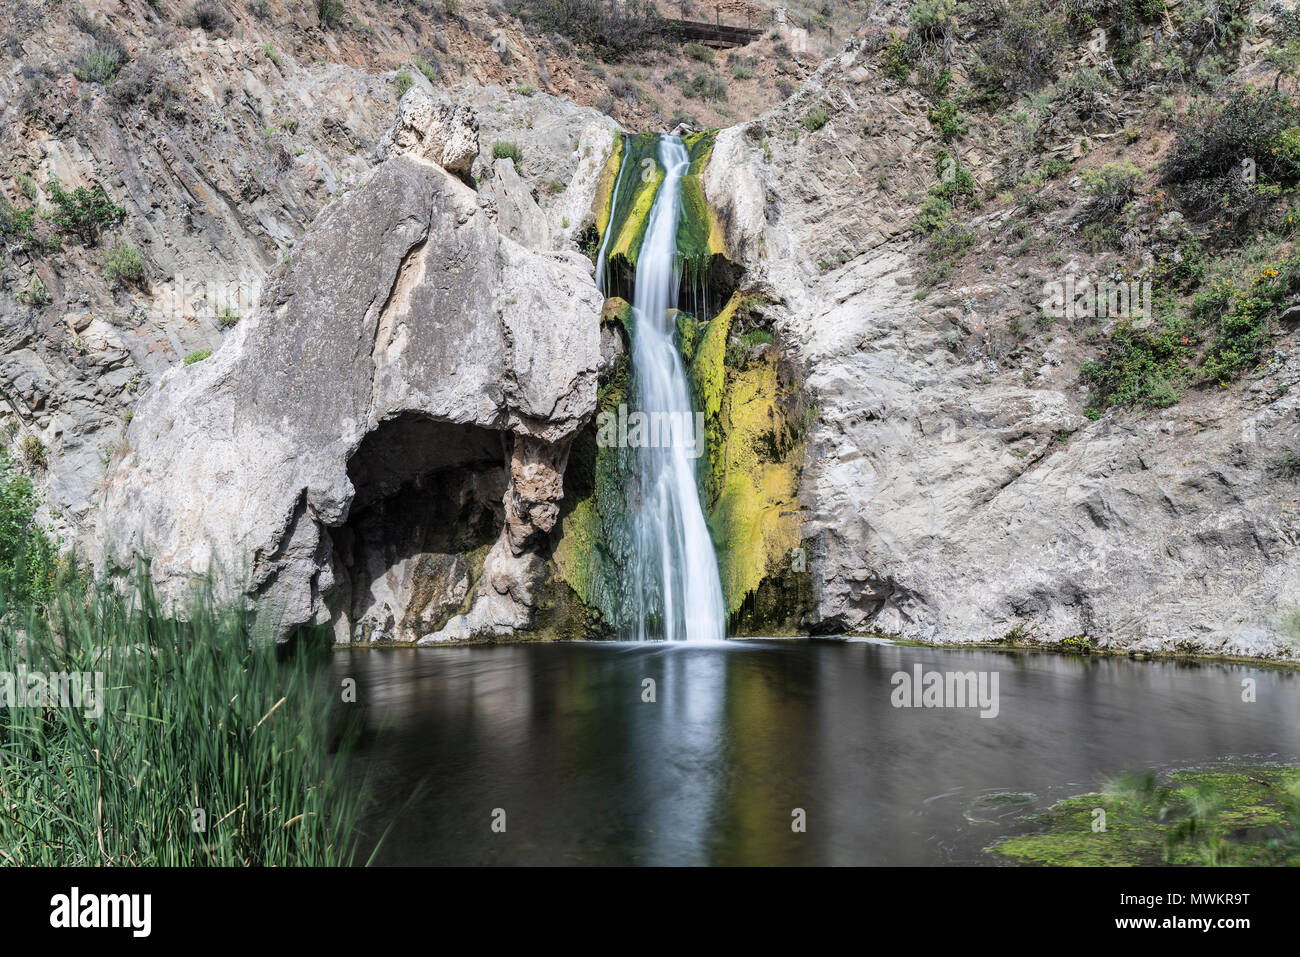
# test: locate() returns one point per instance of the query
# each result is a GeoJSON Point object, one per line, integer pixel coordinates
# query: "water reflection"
{"type": "Point", "coordinates": [743, 733]}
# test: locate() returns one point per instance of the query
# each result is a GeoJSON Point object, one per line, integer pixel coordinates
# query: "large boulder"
{"type": "Point", "coordinates": [433, 128]}
{"type": "Point", "coordinates": [382, 444]}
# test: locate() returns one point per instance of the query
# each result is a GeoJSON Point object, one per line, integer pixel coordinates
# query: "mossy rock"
{"type": "Point", "coordinates": [1246, 817]}
{"type": "Point", "coordinates": [750, 482]}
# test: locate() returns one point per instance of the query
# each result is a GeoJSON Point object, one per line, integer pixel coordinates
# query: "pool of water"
{"type": "Point", "coordinates": [555, 741]}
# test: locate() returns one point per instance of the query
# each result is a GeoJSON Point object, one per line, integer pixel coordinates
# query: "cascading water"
{"type": "Point", "coordinates": [676, 590]}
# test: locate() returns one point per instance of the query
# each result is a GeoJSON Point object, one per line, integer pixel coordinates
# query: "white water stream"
{"type": "Point", "coordinates": [676, 588]}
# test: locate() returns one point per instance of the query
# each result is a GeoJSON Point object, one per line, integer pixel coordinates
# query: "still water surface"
{"type": "Point", "coordinates": [744, 732]}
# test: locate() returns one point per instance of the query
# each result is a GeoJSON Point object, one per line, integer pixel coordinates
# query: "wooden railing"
{"type": "Point", "coordinates": [716, 34]}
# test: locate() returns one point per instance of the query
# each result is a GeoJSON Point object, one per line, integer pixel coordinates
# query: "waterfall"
{"type": "Point", "coordinates": [676, 589]}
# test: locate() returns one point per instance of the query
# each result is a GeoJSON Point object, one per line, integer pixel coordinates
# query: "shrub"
{"type": "Point", "coordinates": [404, 82]}
{"type": "Point", "coordinates": [198, 355]}
{"type": "Point", "coordinates": [896, 61]}
{"type": "Point", "coordinates": [502, 149]}
{"type": "Point", "coordinates": [124, 265]}
{"type": "Point", "coordinates": [330, 12]}
{"type": "Point", "coordinates": [1141, 367]}
{"type": "Point", "coordinates": [698, 51]}
{"type": "Point", "coordinates": [1229, 159]}
{"type": "Point", "coordinates": [272, 53]}
{"type": "Point", "coordinates": [616, 29]}
{"type": "Point", "coordinates": [208, 16]}
{"type": "Point", "coordinates": [815, 120]}
{"type": "Point", "coordinates": [1110, 189]}
{"type": "Point", "coordinates": [527, 89]}
{"type": "Point", "coordinates": [100, 64]}
{"type": "Point", "coordinates": [17, 226]}
{"type": "Point", "coordinates": [706, 86]}
{"type": "Point", "coordinates": [33, 453]}
{"type": "Point", "coordinates": [28, 557]}
{"type": "Point", "coordinates": [83, 212]}
{"type": "Point", "coordinates": [741, 72]}
{"type": "Point", "coordinates": [946, 119]}
{"type": "Point", "coordinates": [1018, 52]}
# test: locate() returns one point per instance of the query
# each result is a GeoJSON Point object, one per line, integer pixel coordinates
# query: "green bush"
{"type": "Point", "coordinates": [403, 84]}
{"type": "Point", "coordinates": [124, 265]}
{"type": "Point", "coordinates": [1230, 159]}
{"type": "Point", "coordinates": [1147, 367]}
{"type": "Point", "coordinates": [815, 119]}
{"type": "Point", "coordinates": [706, 86]}
{"type": "Point", "coordinates": [198, 355]}
{"type": "Point", "coordinates": [17, 226]}
{"type": "Point", "coordinates": [698, 51]}
{"type": "Point", "coordinates": [28, 556]}
{"type": "Point", "coordinates": [502, 149]}
{"type": "Point", "coordinates": [896, 61]}
{"type": "Point", "coordinates": [331, 13]}
{"type": "Point", "coordinates": [947, 120]}
{"type": "Point", "coordinates": [1110, 189]}
{"type": "Point", "coordinates": [99, 64]}
{"type": "Point", "coordinates": [83, 212]}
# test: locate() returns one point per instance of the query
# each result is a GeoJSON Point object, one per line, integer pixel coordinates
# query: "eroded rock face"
{"type": "Point", "coordinates": [438, 129]}
{"type": "Point", "coordinates": [950, 496]}
{"type": "Point", "coordinates": [408, 347]}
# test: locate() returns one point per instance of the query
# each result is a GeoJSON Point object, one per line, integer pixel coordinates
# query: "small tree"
{"type": "Point", "coordinates": [82, 212]}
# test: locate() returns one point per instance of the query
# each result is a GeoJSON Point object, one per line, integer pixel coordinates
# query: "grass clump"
{"type": "Point", "coordinates": [815, 119]}
{"type": "Point", "coordinates": [502, 149]}
{"type": "Point", "coordinates": [100, 64]}
{"type": "Point", "coordinates": [403, 83]}
{"type": "Point", "coordinates": [124, 265]}
{"type": "Point", "coordinates": [198, 355]}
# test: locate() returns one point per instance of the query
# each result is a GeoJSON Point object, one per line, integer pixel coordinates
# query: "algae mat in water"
{"type": "Point", "coordinates": [1200, 817]}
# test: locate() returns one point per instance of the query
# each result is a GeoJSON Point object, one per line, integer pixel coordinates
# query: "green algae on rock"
{"type": "Point", "coordinates": [1214, 817]}
{"type": "Point", "coordinates": [753, 409]}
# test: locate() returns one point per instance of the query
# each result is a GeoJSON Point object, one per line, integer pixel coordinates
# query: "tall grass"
{"type": "Point", "coordinates": [210, 749]}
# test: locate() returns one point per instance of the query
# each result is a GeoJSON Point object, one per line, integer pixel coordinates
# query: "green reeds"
{"type": "Point", "coordinates": [212, 748]}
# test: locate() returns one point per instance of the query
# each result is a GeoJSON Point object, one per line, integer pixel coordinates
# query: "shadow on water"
{"type": "Point", "coordinates": [741, 734]}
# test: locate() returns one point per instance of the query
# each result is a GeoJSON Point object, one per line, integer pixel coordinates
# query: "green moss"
{"type": "Point", "coordinates": [699, 235]}
{"type": "Point", "coordinates": [605, 188]}
{"type": "Point", "coordinates": [1199, 817]}
{"type": "Point", "coordinates": [629, 210]}
{"type": "Point", "coordinates": [749, 484]}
